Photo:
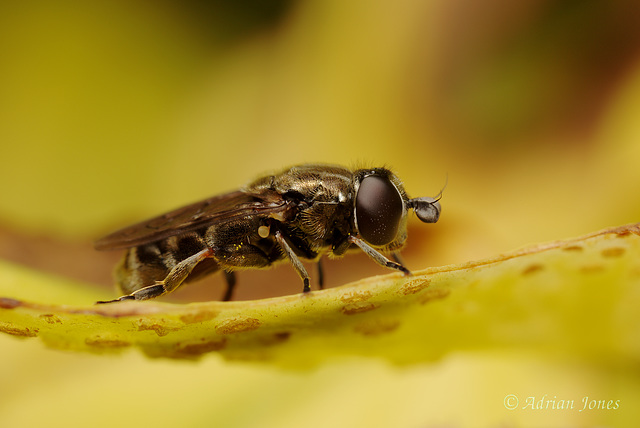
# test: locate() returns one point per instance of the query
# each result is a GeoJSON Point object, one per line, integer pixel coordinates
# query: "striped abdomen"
{"type": "Point", "coordinates": [235, 243]}
{"type": "Point", "coordinates": [144, 265]}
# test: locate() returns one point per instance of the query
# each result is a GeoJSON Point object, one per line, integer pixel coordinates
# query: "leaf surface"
{"type": "Point", "coordinates": [572, 297]}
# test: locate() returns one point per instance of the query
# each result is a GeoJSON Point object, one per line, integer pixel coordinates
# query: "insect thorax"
{"type": "Point", "coordinates": [324, 202]}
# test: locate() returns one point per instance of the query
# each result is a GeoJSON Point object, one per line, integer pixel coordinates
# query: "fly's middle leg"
{"type": "Point", "coordinates": [230, 278]}
{"type": "Point", "coordinates": [320, 274]}
{"type": "Point", "coordinates": [295, 261]}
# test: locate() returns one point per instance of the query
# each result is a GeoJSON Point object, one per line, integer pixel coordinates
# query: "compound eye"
{"type": "Point", "coordinates": [379, 209]}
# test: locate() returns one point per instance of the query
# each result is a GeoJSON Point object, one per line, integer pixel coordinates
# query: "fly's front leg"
{"type": "Point", "coordinates": [173, 280]}
{"type": "Point", "coordinates": [397, 258]}
{"type": "Point", "coordinates": [295, 261]}
{"type": "Point", "coordinates": [378, 257]}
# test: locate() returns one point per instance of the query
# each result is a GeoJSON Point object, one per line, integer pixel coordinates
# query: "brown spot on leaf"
{"type": "Point", "coordinates": [572, 248]}
{"type": "Point", "coordinates": [613, 252]}
{"type": "Point", "coordinates": [623, 231]}
{"type": "Point", "coordinates": [413, 287]}
{"type": "Point", "coordinates": [51, 318]}
{"type": "Point", "coordinates": [376, 327]}
{"type": "Point", "coordinates": [154, 325]}
{"type": "Point", "coordinates": [282, 336]}
{"type": "Point", "coordinates": [275, 338]}
{"type": "Point", "coordinates": [354, 297]}
{"type": "Point", "coordinates": [358, 307]}
{"type": "Point", "coordinates": [18, 331]}
{"type": "Point", "coordinates": [531, 269]}
{"type": "Point", "coordinates": [190, 350]}
{"type": "Point", "coordinates": [356, 302]}
{"type": "Point", "coordinates": [106, 342]}
{"type": "Point", "coordinates": [238, 325]}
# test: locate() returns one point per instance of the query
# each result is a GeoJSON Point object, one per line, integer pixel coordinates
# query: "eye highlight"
{"type": "Point", "coordinates": [379, 209]}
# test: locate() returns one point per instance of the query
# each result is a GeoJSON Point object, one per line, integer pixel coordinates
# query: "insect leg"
{"type": "Point", "coordinates": [320, 274]}
{"type": "Point", "coordinates": [230, 277]}
{"type": "Point", "coordinates": [295, 261]}
{"type": "Point", "coordinates": [378, 257]}
{"type": "Point", "coordinates": [173, 280]}
{"type": "Point", "coordinates": [396, 258]}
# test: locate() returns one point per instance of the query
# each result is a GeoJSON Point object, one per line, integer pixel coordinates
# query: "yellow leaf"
{"type": "Point", "coordinates": [573, 297]}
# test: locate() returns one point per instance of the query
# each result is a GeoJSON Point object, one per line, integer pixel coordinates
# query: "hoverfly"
{"type": "Point", "coordinates": [300, 213]}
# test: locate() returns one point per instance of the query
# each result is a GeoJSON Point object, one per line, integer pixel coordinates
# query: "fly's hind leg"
{"type": "Point", "coordinates": [230, 277]}
{"type": "Point", "coordinates": [172, 281]}
{"type": "Point", "coordinates": [320, 275]}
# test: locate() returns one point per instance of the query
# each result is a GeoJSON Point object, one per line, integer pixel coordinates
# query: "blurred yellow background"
{"type": "Point", "coordinates": [111, 112]}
